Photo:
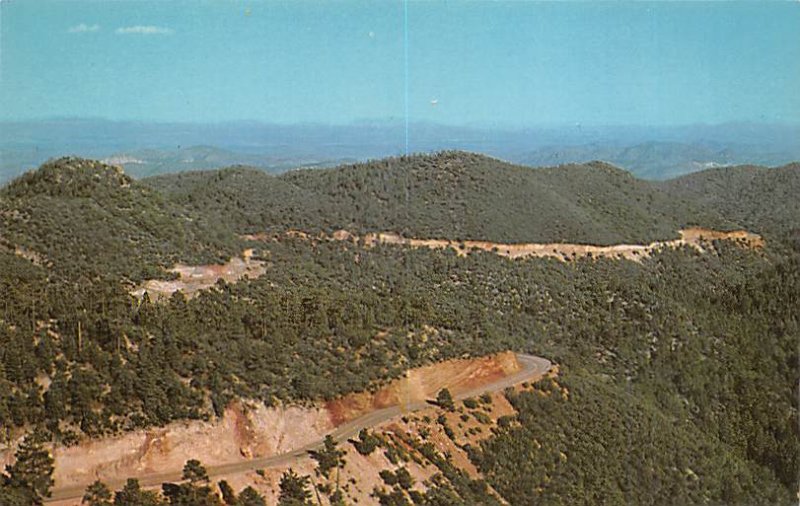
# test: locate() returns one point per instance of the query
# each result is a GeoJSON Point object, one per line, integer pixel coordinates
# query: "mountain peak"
{"type": "Point", "coordinates": [69, 176]}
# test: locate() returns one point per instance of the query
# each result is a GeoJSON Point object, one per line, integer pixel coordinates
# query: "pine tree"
{"type": "Point", "coordinates": [294, 489]}
{"type": "Point", "coordinates": [133, 495]}
{"type": "Point", "coordinates": [445, 399]}
{"type": "Point", "coordinates": [329, 457]}
{"type": "Point", "coordinates": [194, 472]}
{"type": "Point", "coordinates": [33, 468]}
{"type": "Point", "coordinates": [97, 494]}
{"type": "Point", "coordinates": [250, 497]}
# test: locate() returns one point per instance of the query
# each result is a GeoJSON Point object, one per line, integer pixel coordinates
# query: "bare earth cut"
{"type": "Point", "coordinates": [693, 237]}
{"type": "Point", "coordinates": [252, 437]}
{"type": "Point", "coordinates": [256, 437]}
{"type": "Point", "coordinates": [193, 278]}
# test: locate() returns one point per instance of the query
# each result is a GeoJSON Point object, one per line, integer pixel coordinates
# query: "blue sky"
{"type": "Point", "coordinates": [469, 63]}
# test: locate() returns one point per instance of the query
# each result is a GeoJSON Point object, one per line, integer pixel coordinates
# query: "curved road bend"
{"type": "Point", "coordinates": [532, 368]}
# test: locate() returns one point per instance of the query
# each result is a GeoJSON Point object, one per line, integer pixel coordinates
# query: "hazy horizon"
{"type": "Point", "coordinates": [281, 84]}
{"type": "Point", "coordinates": [411, 252]}
{"type": "Point", "coordinates": [400, 121]}
{"type": "Point", "coordinates": [501, 65]}
{"type": "Point", "coordinates": [150, 147]}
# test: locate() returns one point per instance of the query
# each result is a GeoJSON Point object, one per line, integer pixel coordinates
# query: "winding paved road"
{"type": "Point", "coordinates": [532, 368]}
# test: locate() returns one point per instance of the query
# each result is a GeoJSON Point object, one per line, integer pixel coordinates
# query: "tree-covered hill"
{"type": "Point", "coordinates": [757, 198]}
{"type": "Point", "coordinates": [243, 198]}
{"type": "Point", "coordinates": [85, 218]}
{"type": "Point", "coordinates": [702, 343]}
{"type": "Point", "coordinates": [705, 343]}
{"type": "Point", "coordinates": [453, 195]}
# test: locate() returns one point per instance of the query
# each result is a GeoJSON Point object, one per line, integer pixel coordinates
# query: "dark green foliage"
{"type": "Point", "coordinates": [250, 497]}
{"type": "Point", "coordinates": [195, 491]}
{"type": "Point", "coordinates": [244, 199]}
{"type": "Point", "coordinates": [681, 414]}
{"type": "Point", "coordinates": [442, 420]}
{"type": "Point", "coordinates": [394, 497]}
{"type": "Point", "coordinates": [97, 494]}
{"type": "Point", "coordinates": [16, 496]}
{"type": "Point", "coordinates": [606, 445]}
{"type": "Point", "coordinates": [440, 494]}
{"type": "Point", "coordinates": [451, 481]}
{"type": "Point", "coordinates": [481, 417]}
{"type": "Point", "coordinates": [366, 442]}
{"type": "Point", "coordinates": [691, 356]}
{"type": "Point", "coordinates": [194, 472]}
{"type": "Point", "coordinates": [328, 457]}
{"type": "Point", "coordinates": [294, 489]}
{"type": "Point", "coordinates": [445, 399]}
{"type": "Point", "coordinates": [404, 478]}
{"type": "Point", "coordinates": [337, 498]}
{"type": "Point", "coordinates": [30, 477]}
{"type": "Point", "coordinates": [416, 497]}
{"type": "Point", "coordinates": [690, 330]}
{"type": "Point", "coordinates": [388, 477]}
{"type": "Point", "coordinates": [228, 495]}
{"type": "Point", "coordinates": [451, 195]}
{"type": "Point", "coordinates": [133, 495]}
{"type": "Point", "coordinates": [86, 219]}
{"type": "Point", "coordinates": [755, 198]}
{"type": "Point", "coordinates": [470, 403]}
{"type": "Point", "coordinates": [131, 365]}
{"type": "Point", "coordinates": [189, 494]}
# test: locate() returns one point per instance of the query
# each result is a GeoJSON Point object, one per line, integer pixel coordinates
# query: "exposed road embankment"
{"type": "Point", "coordinates": [697, 238]}
{"type": "Point", "coordinates": [531, 368]}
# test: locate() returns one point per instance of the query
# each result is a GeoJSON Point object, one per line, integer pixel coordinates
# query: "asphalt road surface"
{"type": "Point", "coordinates": [531, 369]}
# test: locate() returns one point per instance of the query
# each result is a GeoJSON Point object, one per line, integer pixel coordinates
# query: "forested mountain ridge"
{"type": "Point", "coordinates": [243, 198]}
{"type": "Point", "coordinates": [754, 197]}
{"type": "Point", "coordinates": [449, 195]}
{"type": "Point", "coordinates": [85, 218]}
{"type": "Point", "coordinates": [703, 343]}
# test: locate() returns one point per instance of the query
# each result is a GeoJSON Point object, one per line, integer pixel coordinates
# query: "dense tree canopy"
{"type": "Point", "coordinates": [682, 369]}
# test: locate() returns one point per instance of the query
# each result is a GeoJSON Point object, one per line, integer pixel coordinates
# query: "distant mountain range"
{"type": "Point", "coordinates": [151, 162]}
{"type": "Point", "coordinates": [659, 160]}
{"type": "Point", "coordinates": [146, 149]}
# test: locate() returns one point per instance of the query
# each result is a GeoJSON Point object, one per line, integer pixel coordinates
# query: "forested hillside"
{"type": "Point", "coordinates": [753, 197]}
{"type": "Point", "coordinates": [682, 369]}
{"type": "Point", "coordinates": [451, 195]}
{"type": "Point", "coordinates": [87, 219]}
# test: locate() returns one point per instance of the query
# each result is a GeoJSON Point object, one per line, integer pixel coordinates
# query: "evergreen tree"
{"type": "Point", "coordinates": [196, 492]}
{"type": "Point", "coordinates": [186, 494]}
{"type": "Point", "coordinates": [97, 494]}
{"type": "Point", "coordinates": [33, 467]}
{"type": "Point", "coordinates": [294, 489]}
{"type": "Point", "coordinates": [366, 442]}
{"type": "Point", "coordinates": [445, 400]}
{"type": "Point", "coordinates": [329, 457]}
{"type": "Point", "coordinates": [250, 497]}
{"type": "Point", "coordinates": [194, 472]}
{"type": "Point", "coordinates": [15, 496]}
{"type": "Point", "coordinates": [133, 495]}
